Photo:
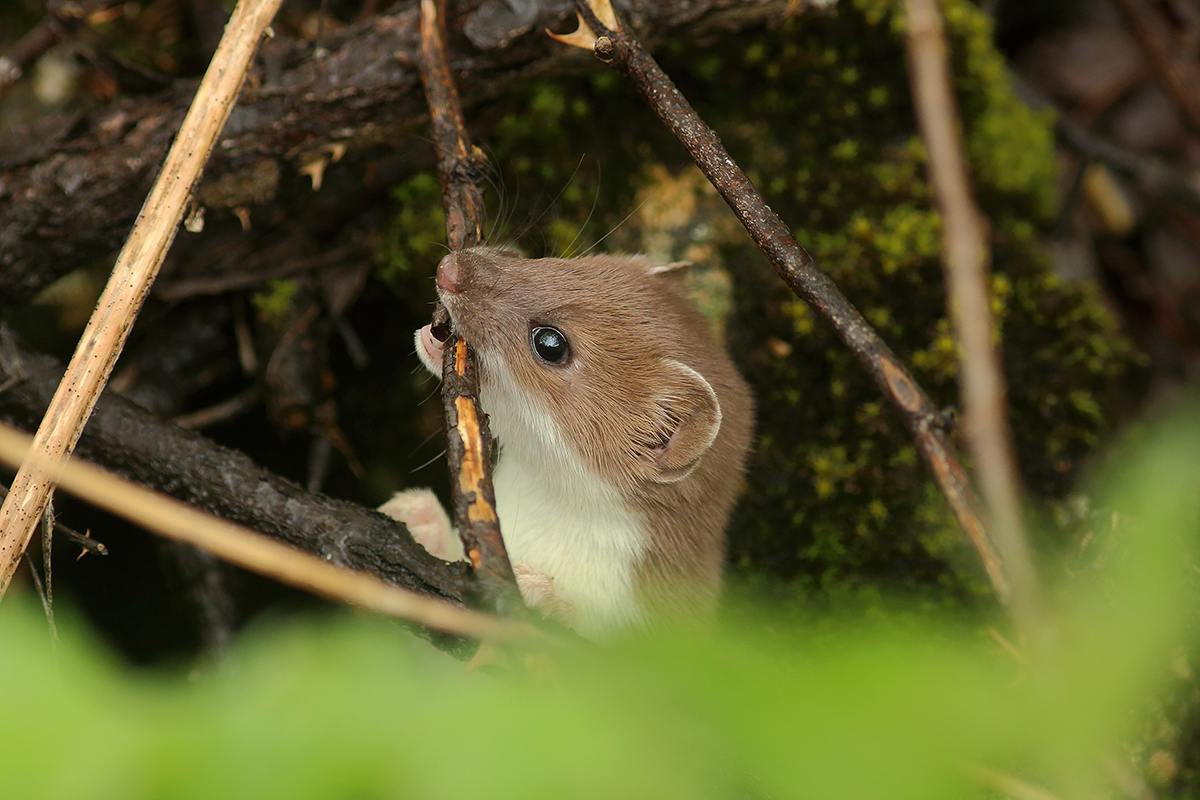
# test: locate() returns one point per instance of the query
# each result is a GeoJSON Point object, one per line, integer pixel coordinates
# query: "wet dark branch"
{"type": "Point", "coordinates": [80, 178]}
{"type": "Point", "coordinates": [1161, 180]}
{"type": "Point", "coordinates": [468, 439]}
{"type": "Point", "coordinates": [58, 23]}
{"type": "Point", "coordinates": [133, 442]}
{"type": "Point", "coordinates": [800, 272]}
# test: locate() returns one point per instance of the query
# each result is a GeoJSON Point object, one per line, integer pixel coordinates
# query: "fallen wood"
{"type": "Point", "coordinates": [69, 191]}
{"type": "Point", "coordinates": [133, 442]}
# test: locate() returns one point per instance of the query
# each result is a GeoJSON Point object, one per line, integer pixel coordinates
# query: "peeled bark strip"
{"type": "Point", "coordinates": [468, 439]}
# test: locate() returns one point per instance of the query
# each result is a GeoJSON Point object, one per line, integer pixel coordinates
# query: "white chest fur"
{"type": "Point", "coordinates": [558, 518]}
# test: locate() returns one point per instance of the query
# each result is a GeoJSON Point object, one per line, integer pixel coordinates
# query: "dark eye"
{"type": "Point", "coordinates": [550, 345]}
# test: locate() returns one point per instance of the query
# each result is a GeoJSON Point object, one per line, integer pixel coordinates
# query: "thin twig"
{"type": "Point", "coordinates": [134, 272]}
{"type": "Point", "coordinates": [965, 254]}
{"type": "Point", "coordinates": [1155, 177]}
{"type": "Point", "coordinates": [1181, 77]}
{"type": "Point", "coordinates": [48, 568]}
{"type": "Point", "coordinates": [460, 166]}
{"type": "Point", "coordinates": [800, 272]}
{"type": "Point", "coordinates": [253, 551]}
{"type": "Point", "coordinates": [53, 28]}
{"type": "Point", "coordinates": [224, 411]}
{"type": "Point", "coordinates": [88, 544]}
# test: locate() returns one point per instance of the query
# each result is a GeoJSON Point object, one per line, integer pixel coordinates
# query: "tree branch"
{"type": "Point", "coordinates": [965, 254]}
{"type": "Point", "coordinates": [80, 178]}
{"type": "Point", "coordinates": [250, 550]}
{"type": "Point", "coordinates": [797, 269]}
{"type": "Point", "coordinates": [133, 442]}
{"type": "Point", "coordinates": [132, 276]}
{"type": "Point", "coordinates": [468, 439]}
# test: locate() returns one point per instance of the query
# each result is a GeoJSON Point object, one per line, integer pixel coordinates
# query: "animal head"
{"type": "Point", "coordinates": [601, 354]}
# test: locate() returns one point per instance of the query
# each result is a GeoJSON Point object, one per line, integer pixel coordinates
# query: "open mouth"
{"type": "Point", "coordinates": [429, 350]}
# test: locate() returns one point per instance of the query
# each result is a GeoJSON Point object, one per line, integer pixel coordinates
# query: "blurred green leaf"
{"type": "Point", "coordinates": [353, 708]}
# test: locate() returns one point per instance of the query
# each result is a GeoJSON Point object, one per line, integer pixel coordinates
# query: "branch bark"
{"type": "Point", "coordinates": [135, 443]}
{"type": "Point", "coordinates": [250, 550]}
{"type": "Point", "coordinates": [80, 178]}
{"type": "Point", "coordinates": [797, 268]}
{"type": "Point", "coordinates": [965, 254]}
{"type": "Point", "coordinates": [468, 439]}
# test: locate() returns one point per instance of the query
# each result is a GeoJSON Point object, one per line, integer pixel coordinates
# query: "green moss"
{"type": "Point", "coordinates": [414, 240]}
{"type": "Point", "coordinates": [274, 301]}
{"type": "Point", "coordinates": [847, 170]}
{"type": "Point", "coordinates": [839, 502]}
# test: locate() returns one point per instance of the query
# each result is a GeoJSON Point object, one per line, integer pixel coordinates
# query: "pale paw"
{"type": "Point", "coordinates": [537, 590]}
{"type": "Point", "coordinates": [426, 520]}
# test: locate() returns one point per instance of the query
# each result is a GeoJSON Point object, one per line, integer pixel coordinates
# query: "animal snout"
{"type": "Point", "coordinates": [448, 274]}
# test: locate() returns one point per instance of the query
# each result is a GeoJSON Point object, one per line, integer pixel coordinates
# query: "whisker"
{"type": "Point", "coordinates": [427, 463]}
{"type": "Point", "coordinates": [424, 442]}
{"type": "Point", "coordinates": [436, 390]}
{"type": "Point", "coordinates": [525, 229]}
{"type": "Point", "coordinates": [615, 227]}
{"type": "Point", "coordinates": [583, 227]}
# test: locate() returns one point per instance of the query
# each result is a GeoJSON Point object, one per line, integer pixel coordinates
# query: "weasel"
{"type": "Point", "coordinates": [623, 427]}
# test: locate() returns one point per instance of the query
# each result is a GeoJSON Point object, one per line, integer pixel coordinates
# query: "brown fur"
{"type": "Point", "coordinates": [634, 416]}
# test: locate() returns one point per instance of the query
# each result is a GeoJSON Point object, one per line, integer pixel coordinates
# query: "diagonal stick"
{"type": "Point", "coordinates": [132, 276]}
{"type": "Point", "coordinates": [600, 30]}
{"type": "Point", "coordinates": [250, 550]}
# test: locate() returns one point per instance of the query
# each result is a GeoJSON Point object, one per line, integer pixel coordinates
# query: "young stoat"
{"type": "Point", "coordinates": [623, 428]}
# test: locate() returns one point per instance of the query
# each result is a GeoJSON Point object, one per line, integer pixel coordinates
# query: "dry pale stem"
{"type": "Point", "coordinates": [798, 269]}
{"type": "Point", "coordinates": [266, 556]}
{"type": "Point", "coordinates": [131, 278]}
{"type": "Point", "coordinates": [965, 251]}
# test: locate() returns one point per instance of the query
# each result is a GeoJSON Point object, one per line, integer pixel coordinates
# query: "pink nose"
{"type": "Point", "coordinates": [447, 274]}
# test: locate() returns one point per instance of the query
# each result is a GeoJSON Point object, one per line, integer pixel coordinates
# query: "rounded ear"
{"type": "Point", "coordinates": [688, 422]}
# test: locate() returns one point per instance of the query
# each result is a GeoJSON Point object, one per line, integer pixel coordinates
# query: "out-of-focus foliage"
{"type": "Point", "coordinates": [817, 110]}
{"type": "Point", "coordinates": [347, 708]}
